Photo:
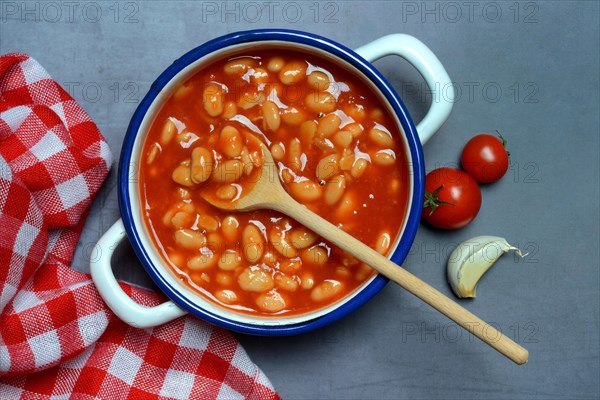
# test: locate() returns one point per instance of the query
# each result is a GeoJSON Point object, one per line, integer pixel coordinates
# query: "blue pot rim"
{"type": "Point", "coordinates": [259, 35]}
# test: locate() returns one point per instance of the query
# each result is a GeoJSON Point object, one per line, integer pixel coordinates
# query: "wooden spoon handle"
{"type": "Point", "coordinates": [402, 277]}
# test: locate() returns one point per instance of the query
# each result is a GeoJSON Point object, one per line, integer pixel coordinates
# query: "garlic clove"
{"type": "Point", "coordinates": [471, 259]}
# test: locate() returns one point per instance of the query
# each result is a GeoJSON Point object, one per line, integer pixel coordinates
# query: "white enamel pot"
{"type": "Point", "coordinates": [131, 226]}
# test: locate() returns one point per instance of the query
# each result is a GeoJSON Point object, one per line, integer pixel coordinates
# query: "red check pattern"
{"type": "Point", "coordinates": [58, 340]}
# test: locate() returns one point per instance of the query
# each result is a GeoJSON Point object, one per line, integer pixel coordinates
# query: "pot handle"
{"type": "Point", "coordinates": [428, 65]}
{"type": "Point", "coordinates": [118, 301]}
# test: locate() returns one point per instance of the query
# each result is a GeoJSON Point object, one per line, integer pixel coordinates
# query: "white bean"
{"type": "Point", "coordinates": [295, 155]}
{"type": "Point", "coordinates": [182, 175]}
{"type": "Point", "coordinates": [202, 262]}
{"type": "Point", "coordinates": [327, 167]}
{"type": "Point", "coordinates": [334, 189]}
{"type": "Point", "coordinates": [207, 222]}
{"type": "Point", "coordinates": [188, 207]}
{"type": "Point", "coordinates": [301, 238]}
{"type": "Point", "coordinates": [214, 242]}
{"type": "Point", "coordinates": [384, 158]}
{"type": "Point", "coordinates": [202, 164]}
{"type": "Point", "coordinates": [293, 72]}
{"type": "Point", "coordinates": [182, 91]}
{"type": "Point", "coordinates": [229, 260]}
{"type": "Point", "coordinates": [307, 280]}
{"type": "Point", "coordinates": [182, 219]}
{"type": "Point", "coordinates": [229, 110]}
{"type": "Point", "coordinates": [286, 175]}
{"type": "Point", "coordinates": [271, 117]}
{"type": "Point", "coordinates": [355, 129]}
{"type": "Point", "coordinates": [247, 162]}
{"type": "Point", "coordinates": [275, 64]}
{"type": "Point", "coordinates": [320, 102]}
{"type": "Point", "coordinates": [226, 296]}
{"type": "Point", "coordinates": [227, 192]}
{"type": "Point", "coordinates": [286, 283]}
{"type": "Point", "coordinates": [355, 111]}
{"type": "Point", "coordinates": [231, 142]}
{"type": "Point", "coordinates": [315, 255]}
{"type": "Point", "coordinates": [168, 131]}
{"type": "Point", "coordinates": [346, 206]}
{"type": "Point", "coordinates": [381, 137]}
{"type": "Point", "coordinates": [255, 280]}
{"type": "Point", "coordinates": [229, 227]}
{"type": "Point", "coordinates": [342, 139]}
{"type": "Point", "coordinates": [166, 219]}
{"type": "Point", "coordinates": [324, 144]}
{"type": "Point", "coordinates": [383, 242]}
{"type": "Point", "coordinates": [328, 125]}
{"type": "Point", "coordinates": [277, 151]}
{"type": "Point", "coordinates": [224, 278]}
{"type": "Point", "coordinates": [305, 191]}
{"type": "Point", "coordinates": [326, 290]}
{"type": "Point", "coordinates": [199, 278]}
{"type": "Point", "coordinates": [239, 66]}
{"type": "Point", "coordinates": [270, 302]}
{"type": "Point", "coordinates": [213, 99]}
{"type": "Point", "coordinates": [189, 239]}
{"type": "Point", "coordinates": [308, 130]}
{"type": "Point", "coordinates": [318, 80]}
{"type": "Point", "coordinates": [293, 116]}
{"type": "Point", "coordinates": [259, 76]}
{"type": "Point", "coordinates": [279, 241]}
{"type": "Point", "coordinates": [251, 99]}
{"type": "Point", "coordinates": [152, 153]}
{"type": "Point", "coordinates": [290, 266]}
{"type": "Point", "coordinates": [253, 243]}
{"type": "Point", "coordinates": [359, 167]}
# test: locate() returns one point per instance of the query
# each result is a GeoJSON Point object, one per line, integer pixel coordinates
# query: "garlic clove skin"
{"type": "Point", "coordinates": [471, 259]}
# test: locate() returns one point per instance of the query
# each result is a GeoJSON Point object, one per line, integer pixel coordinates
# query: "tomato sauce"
{"type": "Point", "coordinates": [338, 152]}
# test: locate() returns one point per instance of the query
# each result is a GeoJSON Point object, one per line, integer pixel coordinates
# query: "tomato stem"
{"type": "Point", "coordinates": [504, 142]}
{"type": "Point", "coordinates": [432, 201]}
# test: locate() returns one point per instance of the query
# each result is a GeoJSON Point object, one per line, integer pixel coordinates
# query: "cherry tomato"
{"type": "Point", "coordinates": [485, 158]}
{"type": "Point", "coordinates": [452, 198]}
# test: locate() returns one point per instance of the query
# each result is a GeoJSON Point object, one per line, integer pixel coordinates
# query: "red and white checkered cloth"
{"type": "Point", "coordinates": [58, 340]}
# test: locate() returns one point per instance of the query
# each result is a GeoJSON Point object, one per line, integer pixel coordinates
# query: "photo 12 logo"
{"type": "Point", "coordinates": [450, 332]}
{"type": "Point", "coordinates": [270, 11]}
{"type": "Point", "coordinates": [69, 11]}
{"type": "Point", "coordinates": [441, 252]}
{"type": "Point", "coordinates": [103, 92]}
{"type": "Point", "coordinates": [473, 92]}
{"type": "Point", "coordinates": [470, 12]}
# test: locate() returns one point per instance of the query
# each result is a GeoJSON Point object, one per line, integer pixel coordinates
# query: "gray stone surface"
{"type": "Point", "coordinates": [528, 69]}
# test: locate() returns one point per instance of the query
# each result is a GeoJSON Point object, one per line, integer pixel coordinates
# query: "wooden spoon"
{"type": "Point", "coordinates": [267, 193]}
